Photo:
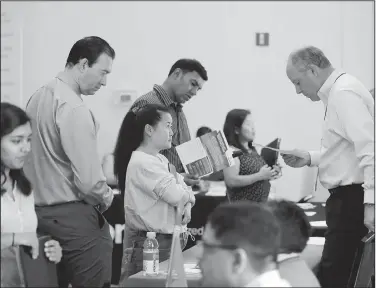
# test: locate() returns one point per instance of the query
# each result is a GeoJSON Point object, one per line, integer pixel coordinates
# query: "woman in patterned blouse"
{"type": "Point", "coordinates": [249, 178]}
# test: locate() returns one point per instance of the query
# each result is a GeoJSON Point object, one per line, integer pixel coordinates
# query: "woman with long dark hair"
{"type": "Point", "coordinates": [249, 178]}
{"type": "Point", "coordinates": [149, 183]}
{"type": "Point", "coordinates": [18, 217]}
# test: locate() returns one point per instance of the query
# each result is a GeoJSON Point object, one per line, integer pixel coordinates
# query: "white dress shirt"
{"type": "Point", "coordinates": [18, 214]}
{"type": "Point", "coordinates": [347, 150]}
{"type": "Point", "coordinates": [269, 279]}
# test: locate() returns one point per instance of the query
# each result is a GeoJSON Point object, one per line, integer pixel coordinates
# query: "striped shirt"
{"type": "Point", "coordinates": [179, 123]}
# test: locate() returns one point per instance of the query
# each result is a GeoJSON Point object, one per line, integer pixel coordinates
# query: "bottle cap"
{"type": "Point", "coordinates": [150, 235]}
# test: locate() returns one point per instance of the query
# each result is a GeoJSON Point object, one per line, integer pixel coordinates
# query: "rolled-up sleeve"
{"type": "Point", "coordinates": [79, 141]}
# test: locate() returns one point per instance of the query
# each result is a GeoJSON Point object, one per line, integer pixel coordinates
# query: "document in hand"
{"type": "Point", "coordinates": [206, 154]}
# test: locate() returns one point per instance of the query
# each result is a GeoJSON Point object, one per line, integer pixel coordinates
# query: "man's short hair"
{"type": "Point", "coordinates": [249, 226]}
{"type": "Point", "coordinates": [310, 55]}
{"type": "Point", "coordinates": [294, 224]}
{"type": "Point", "coordinates": [202, 131]}
{"type": "Point", "coordinates": [190, 65]}
{"type": "Point", "coordinates": [90, 48]}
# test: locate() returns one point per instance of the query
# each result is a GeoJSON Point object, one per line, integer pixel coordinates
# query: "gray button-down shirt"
{"type": "Point", "coordinates": [64, 165]}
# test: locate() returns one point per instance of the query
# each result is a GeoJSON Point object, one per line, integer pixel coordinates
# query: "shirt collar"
{"type": "Point", "coordinates": [68, 80]}
{"type": "Point", "coordinates": [284, 256]}
{"type": "Point", "coordinates": [324, 91]}
{"type": "Point", "coordinates": [268, 279]}
{"type": "Point", "coordinates": [163, 96]}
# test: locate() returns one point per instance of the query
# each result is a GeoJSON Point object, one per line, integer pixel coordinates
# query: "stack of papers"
{"type": "Point", "coordinates": [306, 206]}
{"type": "Point", "coordinates": [316, 241]}
{"type": "Point", "coordinates": [192, 268]}
{"type": "Point", "coordinates": [318, 224]}
{"type": "Point", "coordinates": [217, 188]}
{"type": "Point", "coordinates": [310, 213]}
{"type": "Point", "coordinates": [189, 269]}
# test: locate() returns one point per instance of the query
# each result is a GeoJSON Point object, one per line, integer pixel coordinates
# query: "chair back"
{"type": "Point", "coordinates": [364, 263]}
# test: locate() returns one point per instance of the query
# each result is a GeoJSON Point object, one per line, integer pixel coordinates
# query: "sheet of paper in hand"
{"type": "Point", "coordinates": [281, 151]}
{"type": "Point", "coordinates": [206, 154]}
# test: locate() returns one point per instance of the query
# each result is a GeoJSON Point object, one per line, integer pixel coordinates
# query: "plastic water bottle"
{"type": "Point", "coordinates": [151, 255]}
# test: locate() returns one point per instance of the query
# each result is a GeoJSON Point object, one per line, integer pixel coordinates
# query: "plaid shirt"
{"type": "Point", "coordinates": [179, 123]}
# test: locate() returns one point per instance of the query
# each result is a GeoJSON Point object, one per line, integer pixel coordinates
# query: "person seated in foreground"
{"type": "Point", "coordinates": [239, 247]}
{"type": "Point", "coordinates": [295, 232]}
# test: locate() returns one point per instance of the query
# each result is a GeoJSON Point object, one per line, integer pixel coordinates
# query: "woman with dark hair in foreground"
{"type": "Point", "coordinates": [18, 218]}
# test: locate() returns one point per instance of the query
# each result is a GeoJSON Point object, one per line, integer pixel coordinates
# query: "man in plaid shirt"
{"type": "Point", "coordinates": [185, 79]}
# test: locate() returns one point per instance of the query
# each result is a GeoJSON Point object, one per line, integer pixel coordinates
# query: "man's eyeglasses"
{"type": "Point", "coordinates": [201, 243]}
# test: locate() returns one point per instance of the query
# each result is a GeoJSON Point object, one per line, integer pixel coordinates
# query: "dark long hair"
{"type": "Point", "coordinates": [234, 121]}
{"type": "Point", "coordinates": [131, 135]}
{"type": "Point", "coordinates": [11, 118]}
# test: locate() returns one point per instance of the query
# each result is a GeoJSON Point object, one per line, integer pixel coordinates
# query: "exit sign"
{"type": "Point", "coordinates": [262, 39]}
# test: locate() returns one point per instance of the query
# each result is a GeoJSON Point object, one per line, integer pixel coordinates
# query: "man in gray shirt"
{"type": "Point", "coordinates": [64, 167]}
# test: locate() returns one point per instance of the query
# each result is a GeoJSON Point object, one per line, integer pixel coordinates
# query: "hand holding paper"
{"type": "Point", "coordinates": [278, 170]}
{"type": "Point", "coordinates": [296, 158]}
{"type": "Point", "coordinates": [281, 151]}
{"type": "Point", "coordinates": [190, 180]}
{"type": "Point", "coordinates": [266, 173]}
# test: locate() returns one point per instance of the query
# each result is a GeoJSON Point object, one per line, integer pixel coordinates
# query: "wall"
{"type": "Point", "coordinates": [11, 53]}
{"type": "Point", "coordinates": [149, 36]}
{"type": "Point", "coordinates": [358, 47]}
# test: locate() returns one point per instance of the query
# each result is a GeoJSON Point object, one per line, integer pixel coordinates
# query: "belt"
{"type": "Point", "coordinates": [335, 190]}
{"type": "Point", "coordinates": [59, 204]}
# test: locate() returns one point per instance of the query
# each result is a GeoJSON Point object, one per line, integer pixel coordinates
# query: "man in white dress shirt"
{"type": "Point", "coordinates": [346, 159]}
